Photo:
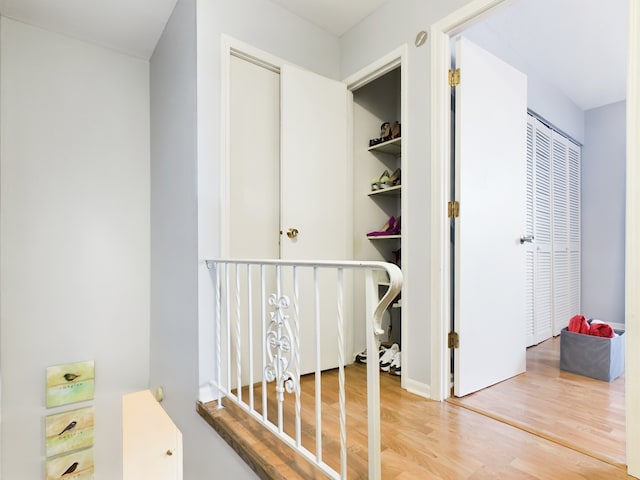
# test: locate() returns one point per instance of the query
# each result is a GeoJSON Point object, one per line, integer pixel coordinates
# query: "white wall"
{"type": "Point", "coordinates": [603, 213]}
{"type": "Point", "coordinates": [397, 22]}
{"type": "Point", "coordinates": [74, 223]}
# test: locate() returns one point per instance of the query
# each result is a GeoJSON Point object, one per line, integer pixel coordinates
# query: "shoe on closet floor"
{"type": "Point", "coordinates": [395, 367]}
{"type": "Point", "coordinates": [387, 358]}
{"type": "Point", "coordinates": [362, 356]}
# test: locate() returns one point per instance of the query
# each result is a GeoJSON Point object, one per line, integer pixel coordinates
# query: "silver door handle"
{"type": "Point", "coordinates": [526, 238]}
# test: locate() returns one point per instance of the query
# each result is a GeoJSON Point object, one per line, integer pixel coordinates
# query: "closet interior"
{"type": "Point", "coordinates": [377, 177]}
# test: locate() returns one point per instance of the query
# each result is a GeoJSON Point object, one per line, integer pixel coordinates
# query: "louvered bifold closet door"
{"type": "Point", "coordinates": [560, 232]}
{"type": "Point", "coordinates": [542, 231]}
{"type": "Point", "coordinates": [529, 247]}
{"type": "Point", "coordinates": [574, 160]}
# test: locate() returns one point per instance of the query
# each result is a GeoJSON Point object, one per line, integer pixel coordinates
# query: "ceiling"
{"type": "Point", "coordinates": [577, 44]}
{"type": "Point", "coordinates": [333, 16]}
{"type": "Point", "coordinates": [128, 26]}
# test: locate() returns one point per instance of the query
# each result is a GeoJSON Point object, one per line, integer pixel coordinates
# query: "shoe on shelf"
{"type": "Point", "coordinates": [393, 180]}
{"type": "Point", "coordinates": [395, 367]}
{"type": "Point", "coordinates": [385, 131]}
{"type": "Point", "coordinates": [386, 229]}
{"type": "Point", "coordinates": [378, 182]}
{"type": "Point", "coordinates": [392, 229]}
{"type": "Point", "coordinates": [362, 356]}
{"type": "Point", "coordinates": [395, 130]}
{"type": "Point", "coordinates": [387, 358]}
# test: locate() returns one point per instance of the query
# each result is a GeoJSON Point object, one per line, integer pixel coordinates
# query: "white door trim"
{"type": "Point", "coordinates": [440, 180]}
{"type": "Point", "coordinates": [632, 283]}
{"type": "Point", "coordinates": [397, 57]}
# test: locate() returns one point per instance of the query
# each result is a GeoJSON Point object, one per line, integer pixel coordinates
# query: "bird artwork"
{"type": "Point", "coordinates": [69, 427]}
{"type": "Point", "coordinates": [70, 377]}
{"type": "Point", "coordinates": [71, 469]}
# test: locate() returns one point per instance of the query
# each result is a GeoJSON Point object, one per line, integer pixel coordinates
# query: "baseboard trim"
{"type": "Point", "coordinates": [417, 388]}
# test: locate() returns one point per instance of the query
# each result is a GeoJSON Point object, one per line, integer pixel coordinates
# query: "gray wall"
{"type": "Point", "coordinates": [174, 247]}
{"type": "Point", "coordinates": [74, 244]}
{"type": "Point", "coordinates": [603, 213]}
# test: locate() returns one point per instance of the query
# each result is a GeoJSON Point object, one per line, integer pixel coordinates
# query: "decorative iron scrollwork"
{"type": "Point", "coordinates": [280, 348]}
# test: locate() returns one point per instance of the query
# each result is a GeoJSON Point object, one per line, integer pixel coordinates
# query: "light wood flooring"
{"type": "Point", "coordinates": [423, 439]}
{"type": "Point", "coordinates": [586, 414]}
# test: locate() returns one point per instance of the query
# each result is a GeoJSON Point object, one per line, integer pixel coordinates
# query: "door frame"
{"type": "Point", "coordinates": [440, 129]}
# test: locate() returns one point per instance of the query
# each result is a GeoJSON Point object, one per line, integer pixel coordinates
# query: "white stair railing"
{"type": "Point", "coordinates": [269, 314]}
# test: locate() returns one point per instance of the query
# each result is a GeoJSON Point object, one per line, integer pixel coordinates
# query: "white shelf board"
{"type": "Point", "coordinates": [391, 191]}
{"type": "Point", "coordinates": [390, 146]}
{"type": "Point", "coordinates": [384, 237]}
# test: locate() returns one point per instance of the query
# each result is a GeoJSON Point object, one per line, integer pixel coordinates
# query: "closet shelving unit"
{"type": "Point", "coordinates": [393, 148]}
{"type": "Point", "coordinates": [374, 103]}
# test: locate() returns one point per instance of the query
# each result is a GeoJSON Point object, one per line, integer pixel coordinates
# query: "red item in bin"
{"type": "Point", "coordinates": [579, 324]}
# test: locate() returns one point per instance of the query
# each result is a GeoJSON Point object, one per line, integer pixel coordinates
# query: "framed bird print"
{"type": "Point", "coordinates": [70, 383]}
{"type": "Point", "coordinates": [69, 431]}
{"type": "Point", "coordinates": [76, 466]}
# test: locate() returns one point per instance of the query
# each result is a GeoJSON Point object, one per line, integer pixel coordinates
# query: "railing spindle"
{"type": "Point", "coordinates": [318, 398]}
{"type": "Point", "coordinates": [238, 337]}
{"type": "Point", "coordinates": [341, 378]}
{"type": "Point", "coordinates": [263, 332]}
{"type": "Point", "coordinates": [296, 323]}
{"type": "Point", "coordinates": [250, 330]}
{"type": "Point", "coordinates": [218, 290]}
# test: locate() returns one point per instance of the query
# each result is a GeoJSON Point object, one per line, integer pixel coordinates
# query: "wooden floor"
{"type": "Point", "coordinates": [586, 414]}
{"type": "Point", "coordinates": [422, 439]}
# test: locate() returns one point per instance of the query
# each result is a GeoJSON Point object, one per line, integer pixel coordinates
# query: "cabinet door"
{"type": "Point", "coordinates": [151, 443]}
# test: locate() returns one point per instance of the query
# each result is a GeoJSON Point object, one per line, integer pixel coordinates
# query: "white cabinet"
{"type": "Point", "coordinates": [553, 219]}
{"type": "Point", "coordinates": [151, 443]}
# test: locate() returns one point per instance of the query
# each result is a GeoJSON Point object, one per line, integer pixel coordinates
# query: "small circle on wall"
{"type": "Point", "coordinates": [421, 38]}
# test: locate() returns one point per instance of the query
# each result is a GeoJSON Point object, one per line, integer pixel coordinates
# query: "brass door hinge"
{"type": "Point", "coordinates": [454, 77]}
{"type": "Point", "coordinates": [453, 340]}
{"type": "Point", "coordinates": [453, 209]}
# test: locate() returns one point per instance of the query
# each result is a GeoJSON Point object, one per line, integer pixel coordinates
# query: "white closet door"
{"type": "Point", "coordinates": [254, 169]}
{"type": "Point", "coordinates": [530, 310]}
{"type": "Point", "coordinates": [574, 227]}
{"type": "Point", "coordinates": [539, 309]}
{"type": "Point", "coordinates": [543, 259]}
{"type": "Point", "coordinates": [315, 198]}
{"type": "Point", "coordinates": [561, 260]}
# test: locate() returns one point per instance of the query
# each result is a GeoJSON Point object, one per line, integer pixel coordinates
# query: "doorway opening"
{"type": "Point", "coordinates": [441, 34]}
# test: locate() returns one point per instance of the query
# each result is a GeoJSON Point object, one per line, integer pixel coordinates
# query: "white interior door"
{"type": "Point", "coordinates": [254, 170]}
{"type": "Point", "coordinates": [490, 131]}
{"type": "Point", "coordinates": [151, 443]}
{"type": "Point", "coordinates": [314, 197]}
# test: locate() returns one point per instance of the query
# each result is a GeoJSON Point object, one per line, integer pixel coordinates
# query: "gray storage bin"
{"type": "Point", "coordinates": [595, 357]}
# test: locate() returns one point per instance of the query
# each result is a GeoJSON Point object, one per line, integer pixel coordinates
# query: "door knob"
{"type": "Point", "coordinates": [292, 233]}
{"type": "Point", "coordinates": [526, 238]}
{"type": "Point", "coordinates": [169, 453]}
